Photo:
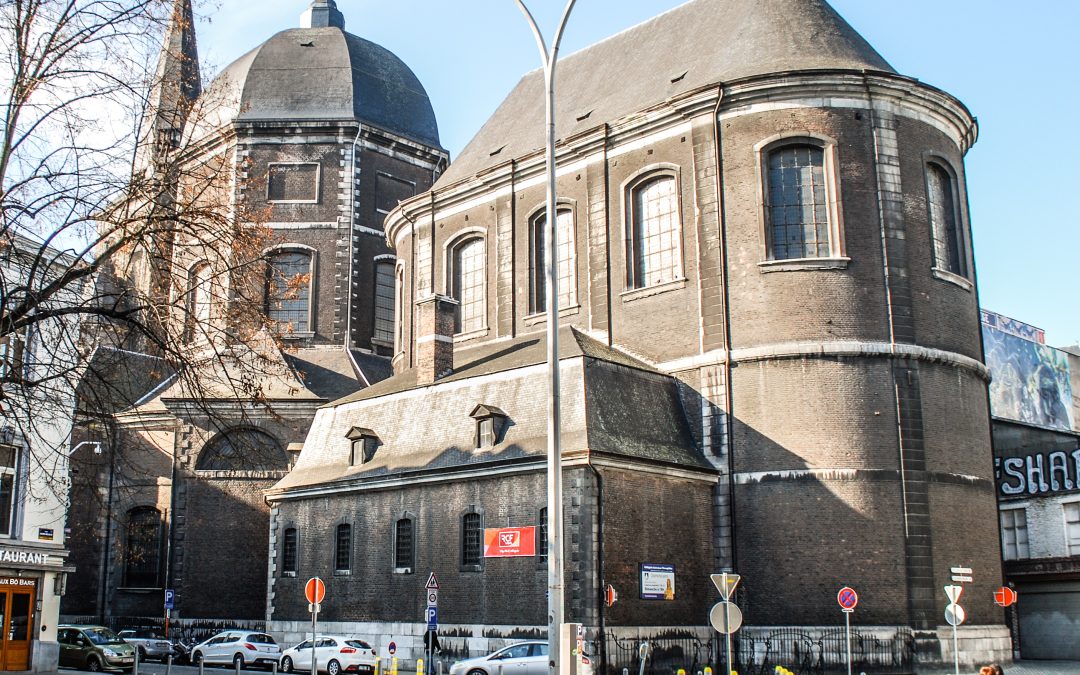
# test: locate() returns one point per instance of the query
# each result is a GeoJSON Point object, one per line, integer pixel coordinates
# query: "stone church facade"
{"type": "Point", "coordinates": [771, 359]}
{"type": "Point", "coordinates": [770, 355]}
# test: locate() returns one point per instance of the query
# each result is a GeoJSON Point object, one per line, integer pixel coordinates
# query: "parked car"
{"type": "Point", "coordinates": [148, 642]}
{"type": "Point", "coordinates": [523, 658]}
{"type": "Point", "coordinates": [94, 648]}
{"type": "Point", "coordinates": [238, 647]}
{"type": "Point", "coordinates": [334, 654]}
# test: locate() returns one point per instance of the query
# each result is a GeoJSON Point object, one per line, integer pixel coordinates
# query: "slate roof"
{"type": "Point", "coordinates": [494, 357]}
{"type": "Point", "coordinates": [612, 405]}
{"type": "Point", "coordinates": [697, 44]}
{"type": "Point", "coordinates": [319, 74]}
{"type": "Point", "coordinates": [328, 372]}
{"type": "Point", "coordinates": [116, 380]}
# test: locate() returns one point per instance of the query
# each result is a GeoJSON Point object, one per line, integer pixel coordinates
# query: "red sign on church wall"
{"type": "Point", "coordinates": [510, 542]}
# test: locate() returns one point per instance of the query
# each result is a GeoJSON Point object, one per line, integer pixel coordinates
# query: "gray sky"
{"type": "Point", "coordinates": [1013, 64]}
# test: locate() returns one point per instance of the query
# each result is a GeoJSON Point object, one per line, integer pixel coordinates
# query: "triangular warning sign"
{"type": "Point", "coordinates": [432, 582]}
{"type": "Point", "coordinates": [954, 593]}
{"type": "Point", "coordinates": [725, 583]}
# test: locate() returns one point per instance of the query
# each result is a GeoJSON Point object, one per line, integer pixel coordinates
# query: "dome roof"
{"type": "Point", "coordinates": [319, 73]}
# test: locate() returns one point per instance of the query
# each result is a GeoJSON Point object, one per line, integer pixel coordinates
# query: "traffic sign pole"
{"type": "Point", "coordinates": [847, 622]}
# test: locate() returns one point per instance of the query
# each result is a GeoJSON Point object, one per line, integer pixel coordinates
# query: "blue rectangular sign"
{"type": "Point", "coordinates": [432, 618]}
{"type": "Point", "coordinates": [170, 598]}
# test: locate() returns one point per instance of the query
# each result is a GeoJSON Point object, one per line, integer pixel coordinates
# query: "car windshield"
{"type": "Point", "coordinates": [261, 639]}
{"type": "Point", "coordinates": [103, 636]}
{"type": "Point", "coordinates": [359, 644]}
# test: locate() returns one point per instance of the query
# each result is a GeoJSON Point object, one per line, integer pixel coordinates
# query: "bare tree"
{"type": "Point", "coordinates": [127, 234]}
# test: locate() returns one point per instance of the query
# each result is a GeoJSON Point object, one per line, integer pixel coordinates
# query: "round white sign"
{"type": "Point", "coordinates": [726, 617]}
{"type": "Point", "coordinates": [955, 615]}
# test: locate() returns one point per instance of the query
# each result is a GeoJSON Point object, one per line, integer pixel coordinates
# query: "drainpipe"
{"type": "Point", "coordinates": [729, 398]}
{"type": "Point", "coordinates": [352, 235]}
{"type": "Point", "coordinates": [103, 575]}
{"type": "Point", "coordinates": [602, 595]}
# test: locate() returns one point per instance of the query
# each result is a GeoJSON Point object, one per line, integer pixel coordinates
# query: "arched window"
{"type": "Point", "coordinates": [243, 450]}
{"type": "Point", "coordinates": [199, 299]}
{"type": "Point", "coordinates": [467, 284]}
{"type": "Point", "coordinates": [564, 222]}
{"type": "Point", "coordinates": [653, 232]}
{"type": "Point", "coordinates": [288, 551]}
{"type": "Point", "coordinates": [403, 544]}
{"type": "Point", "coordinates": [384, 302]}
{"type": "Point", "coordinates": [797, 203]}
{"type": "Point", "coordinates": [288, 291]}
{"type": "Point", "coordinates": [343, 551]}
{"type": "Point", "coordinates": [142, 549]}
{"type": "Point", "coordinates": [949, 249]}
{"type": "Point", "coordinates": [471, 540]}
{"type": "Point", "coordinates": [542, 535]}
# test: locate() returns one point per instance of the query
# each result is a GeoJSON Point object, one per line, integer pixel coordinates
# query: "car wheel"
{"type": "Point", "coordinates": [196, 658]}
{"type": "Point", "coordinates": [333, 668]}
{"type": "Point", "coordinates": [477, 672]}
{"type": "Point", "coordinates": [238, 661]}
{"type": "Point", "coordinates": [93, 664]}
{"type": "Point", "coordinates": [142, 654]}
{"type": "Point", "coordinates": [286, 664]}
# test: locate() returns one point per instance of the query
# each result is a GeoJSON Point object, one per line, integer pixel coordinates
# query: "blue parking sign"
{"type": "Point", "coordinates": [432, 618]}
{"type": "Point", "coordinates": [170, 598]}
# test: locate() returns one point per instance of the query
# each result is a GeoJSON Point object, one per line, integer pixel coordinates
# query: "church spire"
{"type": "Point", "coordinates": [322, 13]}
{"type": "Point", "coordinates": [177, 83]}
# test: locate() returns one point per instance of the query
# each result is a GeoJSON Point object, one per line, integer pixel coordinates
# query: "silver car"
{"type": "Point", "coordinates": [522, 658]}
{"type": "Point", "coordinates": [239, 647]}
{"type": "Point", "coordinates": [148, 642]}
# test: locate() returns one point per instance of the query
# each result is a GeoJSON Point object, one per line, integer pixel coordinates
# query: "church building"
{"type": "Point", "coordinates": [770, 362]}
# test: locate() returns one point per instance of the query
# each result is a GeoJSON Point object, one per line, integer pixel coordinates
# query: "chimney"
{"type": "Point", "coordinates": [322, 14]}
{"type": "Point", "coordinates": [436, 316]}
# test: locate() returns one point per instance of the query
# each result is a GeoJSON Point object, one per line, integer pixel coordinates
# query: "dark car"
{"type": "Point", "coordinates": [94, 648]}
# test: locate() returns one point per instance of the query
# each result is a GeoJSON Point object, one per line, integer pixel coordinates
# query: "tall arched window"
{"type": "Point", "coordinates": [343, 550]}
{"type": "Point", "coordinates": [199, 300]}
{"type": "Point", "coordinates": [538, 247]}
{"type": "Point", "coordinates": [288, 290]}
{"type": "Point", "coordinates": [404, 548]}
{"type": "Point", "coordinates": [467, 284]}
{"type": "Point", "coordinates": [142, 549]}
{"type": "Point", "coordinates": [949, 249]}
{"type": "Point", "coordinates": [384, 302]}
{"type": "Point", "coordinates": [471, 540]}
{"type": "Point", "coordinates": [653, 232]}
{"type": "Point", "coordinates": [288, 551]}
{"type": "Point", "coordinates": [797, 203]}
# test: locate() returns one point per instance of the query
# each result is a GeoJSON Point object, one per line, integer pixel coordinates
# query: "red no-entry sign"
{"type": "Point", "coordinates": [1005, 596]}
{"type": "Point", "coordinates": [847, 599]}
{"type": "Point", "coordinates": [315, 590]}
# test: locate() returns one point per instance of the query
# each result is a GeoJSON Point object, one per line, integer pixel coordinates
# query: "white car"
{"type": "Point", "coordinates": [238, 647]}
{"type": "Point", "coordinates": [522, 658]}
{"type": "Point", "coordinates": [334, 654]}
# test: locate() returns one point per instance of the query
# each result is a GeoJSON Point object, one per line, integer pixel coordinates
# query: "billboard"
{"type": "Point", "coordinates": [657, 581]}
{"type": "Point", "coordinates": [1031, 382]}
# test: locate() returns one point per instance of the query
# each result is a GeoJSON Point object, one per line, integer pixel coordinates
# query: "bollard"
{"type": "Point", "coordinates": [378, 659]}
{"type": "Point", "coordinates": [708, 670]}
{"type": "Point", "coordinates": [135, 668]}
{"type": "Point", "coordinates": [625, 671]}
{"type": "Point", "coordinates": [168, 664]}
{"type": "Point", "coordinates": [393, 665]}
{"type": "Point", "coordinates": [439, 668]}
{"type": "Point", "coordinates": [419, 666]}
{"type": "Point", "coordinates": [202, 667]}
{"type": "Point", "coordinates": [236, 666]}
{"type": "Point", "coordinates": [680, 671]}
{"type": "Point", "coordinates": [273, 668]}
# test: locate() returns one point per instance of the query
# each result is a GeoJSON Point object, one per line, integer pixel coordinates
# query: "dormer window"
{"type": "Point", "coordinates": [363, 443]}
{"type": "Point", "coordinates": [490, 423]}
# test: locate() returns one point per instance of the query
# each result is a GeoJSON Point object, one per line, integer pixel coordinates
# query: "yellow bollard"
{"type": "Point", "coordinates": [681, 671]}
{"type": "Point", "coordinates": [419, 666]}
{"type": "Point", "coordinates": [393, 665]}
{"type": "Point", "coordinates": [708, 671]}
{"type": "Point", "coordinates": [377, 659]}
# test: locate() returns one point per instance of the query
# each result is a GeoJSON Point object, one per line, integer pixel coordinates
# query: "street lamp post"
{"type": "Point", "coordinates": [551, 251]}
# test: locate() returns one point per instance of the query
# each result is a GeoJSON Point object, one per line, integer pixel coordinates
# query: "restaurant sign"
{"type": "Point", "coordinates": [1039, 473]}
{"type": "Point", "coordinates": [13, 556]}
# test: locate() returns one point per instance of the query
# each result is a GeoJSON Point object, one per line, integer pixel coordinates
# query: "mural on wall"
{"type": "Point", "coordinates": [1030, 380]}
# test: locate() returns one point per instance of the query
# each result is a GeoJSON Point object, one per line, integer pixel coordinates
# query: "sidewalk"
{"type": "Point", "coordinates": [1020, 668]}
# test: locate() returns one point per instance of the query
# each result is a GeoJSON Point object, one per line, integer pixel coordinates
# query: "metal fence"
{"type": "Point", "coordinates": [806, 653]}
{"type": "Point", "coordinates": [760, 653]}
